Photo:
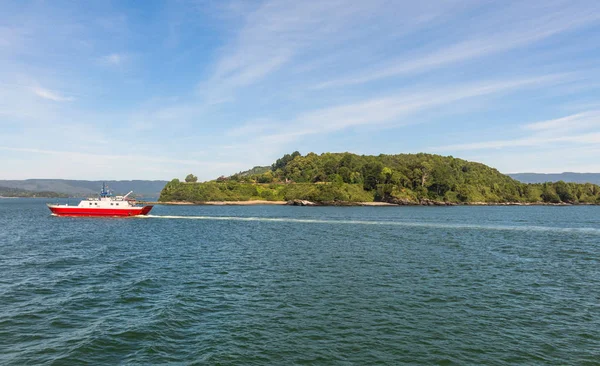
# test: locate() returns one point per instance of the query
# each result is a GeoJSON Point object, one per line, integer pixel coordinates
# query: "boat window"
{"type": "Point", "coordinates": [90, 203]}
{"type": "Point", "coordinates": [96, 203]}
{"type": "Point", "coordinates": [117, 204]}
{"type": "Point", "coordinates": [111, 203]}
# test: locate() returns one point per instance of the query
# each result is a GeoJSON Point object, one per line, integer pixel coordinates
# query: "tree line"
{"type": "Point", "coordinates": [388, 178]}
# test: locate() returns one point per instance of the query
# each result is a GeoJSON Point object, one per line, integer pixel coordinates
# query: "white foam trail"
{"type": "Point", "coordinates": [587, 230]}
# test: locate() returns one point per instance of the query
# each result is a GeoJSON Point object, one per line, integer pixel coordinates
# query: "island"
{"type": "Point", "coordinates": [351, 179]}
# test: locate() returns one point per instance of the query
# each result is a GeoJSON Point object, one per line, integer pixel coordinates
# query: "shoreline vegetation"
{"type": "Point", "coordinates": [345, 179]}
{"type": "Point", "coordinates": [263, 202]}
{"type": "Point", "coordinates": [355, 204]}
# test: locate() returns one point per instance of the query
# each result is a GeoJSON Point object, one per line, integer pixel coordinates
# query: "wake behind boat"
{"type": "Point", "coordinates": [105, 205]}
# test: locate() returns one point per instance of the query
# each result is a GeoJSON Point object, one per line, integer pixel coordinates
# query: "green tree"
{"type": "Point", "coordinates": [564, 191]}
{"type": "Point", "coordinates": [386, 175]}
{"type": "Point", "coordinates": [336, 179]}
{"type": "Point", "coordinates": [372, 173]}
{"type": "Point", "coordinates": [266, 177]}
{"type": "Point", "coordinates": [442, 179]}
{"type": "Point", "coordinates": [356, 178]}
{"type": "Point", "coordinates": [549, 194]}
{"type": "Point", "coordinates": [345, 172]}
{"type": "Point", "coordinates": [282, 162]}
{"type": "Point", "coordinates": [191, 178]}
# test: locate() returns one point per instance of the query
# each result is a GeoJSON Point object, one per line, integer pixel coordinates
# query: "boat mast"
{"type": "Point", "coordinates": [104, 192]}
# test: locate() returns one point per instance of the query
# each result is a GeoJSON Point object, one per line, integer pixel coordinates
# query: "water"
{"type": "Point", "coordinates": [301, 285]}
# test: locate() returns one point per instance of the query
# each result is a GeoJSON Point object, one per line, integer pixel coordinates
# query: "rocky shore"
{"type": "Point", "coordinates": [217, 203]}
{"type": "Point", "coordinates": [395, 202]}
{"type": "Point", "coordinates": [426, 202]}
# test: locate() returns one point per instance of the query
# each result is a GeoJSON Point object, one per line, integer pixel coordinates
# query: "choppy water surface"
{"type": "Point", "coordinates": [301, 285]}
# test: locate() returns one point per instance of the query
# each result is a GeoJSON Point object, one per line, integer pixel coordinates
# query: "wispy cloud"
{"type": "Point", "coordinates": [79, 165]}
{"type": "Point", "coordinates": [519, 34]}
{"type": "Point", "coordinates": [114, 59]}
{"type": "Point", "coordinates": [390, 112]}
{"type": "Point", "coordinates": [231, 84]}
{"type": "Point", "coordinates": [50, 95]}
{"type": "Point", "coordinates": [392, 108]}
{"type": "Point", "coordinates": [573, 122]}
{"type": "Point", "coordinates": [580, 128]}
{"type": "Point", "coordinates": [128, 158]}
{"type": "Point", "coordinates": [533, 141]}
{"type": "Point", "coordinates": [280, 33]}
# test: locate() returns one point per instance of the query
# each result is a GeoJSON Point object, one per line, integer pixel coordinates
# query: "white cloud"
{"type": "Point", "coordinates": [280, 32]}
{"type": "Point", "coordinates": [550, 159]}
{"type": "Point", "coordinates": [129, 158]}
{"type": "Point", "coordinates": [265, 58]}
{"type": "Point", "coordinates": [50, 95]}
{"type": "Point", "coordinates": [80, 165]}
{"type": "Point", "coordinates": [114, 59]}
{"type": "Point", "coordinates": [392, 108]}
{"type": "Point", "coordinates": [576, 129]}
{"type": "Point", "coordinates": [388, 111]}
{"type": "Point", "coordinates": [497, 40]}
{"type": "Point", "coordinates": [577, 121]}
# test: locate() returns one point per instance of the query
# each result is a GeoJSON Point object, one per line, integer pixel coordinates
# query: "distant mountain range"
{"type": "Point", "coordinates": [143, 188]}
{"type": "Point", "coordinates": [566, 177]}
{"type": "Point", "coordinates": [15, 192]}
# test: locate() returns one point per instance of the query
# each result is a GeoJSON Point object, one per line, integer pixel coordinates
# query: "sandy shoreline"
{"type": "Point", "coordinates": [373, 204]}
{"type": "Point", "coordinates": [258, 202]}
{"type": "Point", "coordinates": [253, 202]}
{"type": "Point", "coordinates": [220, 203]}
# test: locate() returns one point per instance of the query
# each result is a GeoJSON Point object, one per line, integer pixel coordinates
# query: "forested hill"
{"type": "Point", "coordinates": [149, 188]}
{"type": "Point", "coordinates": [565, 177]}
{"type": "Point", "coordinates": [14, 192]}
{"type": "Point", "coordinates": [403, 178]}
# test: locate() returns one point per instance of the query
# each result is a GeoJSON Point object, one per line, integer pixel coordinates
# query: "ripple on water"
{"type": "Point", "coordinates": [284, 285]}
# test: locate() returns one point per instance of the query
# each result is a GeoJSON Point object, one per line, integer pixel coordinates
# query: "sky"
{"type": "Point", "coordinates": [159, 89]}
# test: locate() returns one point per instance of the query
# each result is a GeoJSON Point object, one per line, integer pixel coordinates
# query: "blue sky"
{"type": "Point", "coordinates": [159, 89]}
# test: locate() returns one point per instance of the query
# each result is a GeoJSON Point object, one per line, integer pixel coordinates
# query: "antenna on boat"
{"type": "Point", "coordinates": [104, 192]}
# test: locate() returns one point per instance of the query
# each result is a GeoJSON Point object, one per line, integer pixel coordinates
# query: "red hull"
{"type": "Point", "coordinates": [83, 211]}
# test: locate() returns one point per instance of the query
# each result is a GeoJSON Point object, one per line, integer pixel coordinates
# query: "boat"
{"type": "Point", "coordinates": [106, 204]}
